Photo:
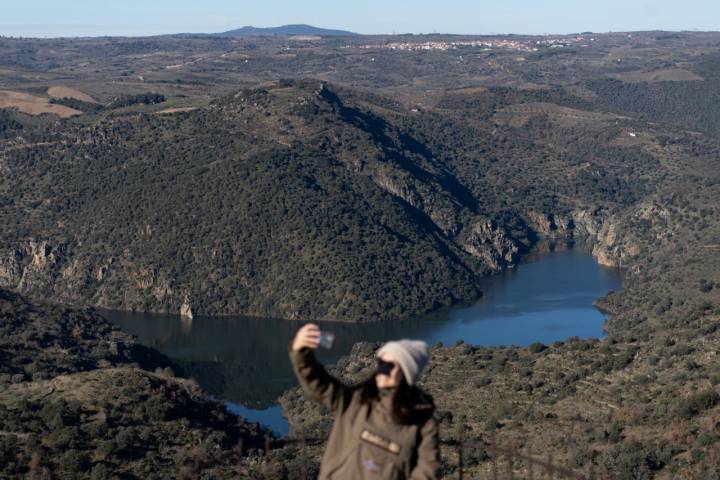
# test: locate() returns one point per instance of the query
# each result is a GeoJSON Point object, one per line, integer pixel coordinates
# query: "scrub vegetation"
{"type": "Point", "coordinates": [335, 178]}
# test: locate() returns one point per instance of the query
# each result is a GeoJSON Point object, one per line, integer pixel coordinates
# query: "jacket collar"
{"type": "Point", "coordinates": [423, 403]}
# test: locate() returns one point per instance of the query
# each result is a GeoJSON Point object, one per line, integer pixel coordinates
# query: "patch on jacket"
{"type": "Point", "coordinates": [370, 466]}
{"type": "Point", "coordinates": [380, 442]}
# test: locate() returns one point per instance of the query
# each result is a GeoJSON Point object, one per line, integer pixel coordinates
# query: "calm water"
{"type": "Point", "coordinates": [244, 360]}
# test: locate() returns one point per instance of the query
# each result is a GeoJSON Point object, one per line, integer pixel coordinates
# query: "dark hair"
{"type": "Point", "coordinates": [404, 401]}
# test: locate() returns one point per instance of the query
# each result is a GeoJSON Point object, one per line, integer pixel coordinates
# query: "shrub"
{"type": "Point", "coordinates": [697, 403]}
{"type": "Point", "coordinates": [483, 382]}
{"type": "Point", "coordinates": [73, 461]}
{"type": "Point", "coordinates": [634, 460]}
{"type": "Point", "coordinates": [99, 472]}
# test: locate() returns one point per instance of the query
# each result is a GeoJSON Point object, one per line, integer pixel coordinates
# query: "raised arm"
{"type": "Point", "coordinates": [318, 384]}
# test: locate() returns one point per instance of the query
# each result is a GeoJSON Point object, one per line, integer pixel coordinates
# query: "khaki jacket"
{"type": "Point", "coordinates": [365, 443]}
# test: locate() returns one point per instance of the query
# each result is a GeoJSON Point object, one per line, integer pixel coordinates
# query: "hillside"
{"type": "Point", "coordinates": [301, 200]}
{"type": "Point", "coordinates": [300, 29]}
{"type": "Point", "coordinates": [643, 403]}
{"type": "Point", "coordinates": [274, 222]}
{"type": "Point", "coordinates": [80, 398]}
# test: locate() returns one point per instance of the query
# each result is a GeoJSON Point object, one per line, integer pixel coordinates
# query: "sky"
{"type": "Point", "coordinates": [54, 18]}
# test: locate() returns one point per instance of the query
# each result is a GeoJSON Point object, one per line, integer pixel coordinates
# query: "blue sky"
{"type": "Point", "coordinates": [47, 18]}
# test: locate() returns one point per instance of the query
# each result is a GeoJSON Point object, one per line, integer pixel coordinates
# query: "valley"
{"type": "Point", "coordinates": [348, 179]}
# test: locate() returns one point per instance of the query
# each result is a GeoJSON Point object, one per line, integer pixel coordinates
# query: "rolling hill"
{"type": "Point", "coordinates": [284, 30]}
{"type": "Point", "coordinates": [299, 29]}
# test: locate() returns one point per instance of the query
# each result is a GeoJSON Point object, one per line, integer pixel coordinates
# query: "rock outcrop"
{"type": "Point", "coordinates": [621, 238]}
{"type": "Point", "coordinates": [11, 268]}
{"type": "Point", "coordinates": [580, 223]}
{"type": "Point", "coordinates": [491, 243]}
{"type": "Point", "coordinates": [186, 309]}
{"type": "Point", "coordinates": [542, 223]}
{"type": "Point", "coordinates": [588, 221]}
{"type": "Point", "coordinates": [31, 265]}
{"type": "Point", "coordinates": [607, 251]}
{"type": "Point", "coordinates": [44, 269]}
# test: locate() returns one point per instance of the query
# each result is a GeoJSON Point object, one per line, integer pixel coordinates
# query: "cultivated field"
{"type": "Point", "coordinates": [33, 105]}
{"type": "Point", "coordinates": [67, 92]}
{"type": "Point", "coordinates": [517, 115]}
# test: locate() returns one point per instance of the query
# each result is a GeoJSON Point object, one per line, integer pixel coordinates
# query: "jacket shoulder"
{"type": "Point", "coordinates": [424, 405]}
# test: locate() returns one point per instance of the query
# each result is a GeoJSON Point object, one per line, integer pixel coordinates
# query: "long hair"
{"type": "Point", "coordinates": [404, 401]}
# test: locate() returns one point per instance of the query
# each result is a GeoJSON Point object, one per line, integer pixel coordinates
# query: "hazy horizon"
{"type": "Point", "coordinates": [85, 18]}
{"type": "Point", "coordinates": [576, 32]}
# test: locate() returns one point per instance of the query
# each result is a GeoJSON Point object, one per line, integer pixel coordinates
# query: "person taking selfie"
{"type": "Point", "coordinates": [384, 427]}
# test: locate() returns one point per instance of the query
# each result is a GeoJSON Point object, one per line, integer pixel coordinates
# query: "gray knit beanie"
{"type": "Point", "coordinates": [411, 355]}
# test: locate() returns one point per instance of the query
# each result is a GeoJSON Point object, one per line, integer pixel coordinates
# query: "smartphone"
{"type": "Point", "coordinates": [327, 339]}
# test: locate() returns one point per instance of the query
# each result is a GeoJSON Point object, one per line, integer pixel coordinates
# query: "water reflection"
{"type": "Point", "coordinates": [244, 360]}
{"type": "Point", "coordinates": [271, 417]}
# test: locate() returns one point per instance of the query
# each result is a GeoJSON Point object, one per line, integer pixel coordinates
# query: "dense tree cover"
{"type": "Point", "coordinates": [138, 99]}
{"type": "Point", "coordinates": [539, 166]}
{"type": "Point", "coordinates": [30, 344]}
{"type": "Point", "coordinates": [85, 107]}
{"type": "Point", "coordinates": [8, 123]}
{"type": "Point", "coordinates": [74, 403]}
{"type": "Point", "coordinates": [255, 216]}
{"type": "Point", "coordinates": [689, 104]}
{"type": "Point", "coordinates": [305, 201]}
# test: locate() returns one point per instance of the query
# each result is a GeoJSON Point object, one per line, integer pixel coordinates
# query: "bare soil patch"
{"type": "Point", "coordinates": [175, 110]}
{"type": "Point", "coordinates": [516, 115]}
{"type": "Point", "coordinates": [469, 90]}
{"type": "Point", "coordinates": [67, 92]}
{"type": "Point", "coordinates": [33, 105]}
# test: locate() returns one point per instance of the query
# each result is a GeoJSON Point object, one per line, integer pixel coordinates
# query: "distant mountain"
{"type": "Point", "coordinates": [283, 30]}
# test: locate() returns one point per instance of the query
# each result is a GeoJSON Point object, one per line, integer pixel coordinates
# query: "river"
{"type": "Point", "coordinates": [244, 360]}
